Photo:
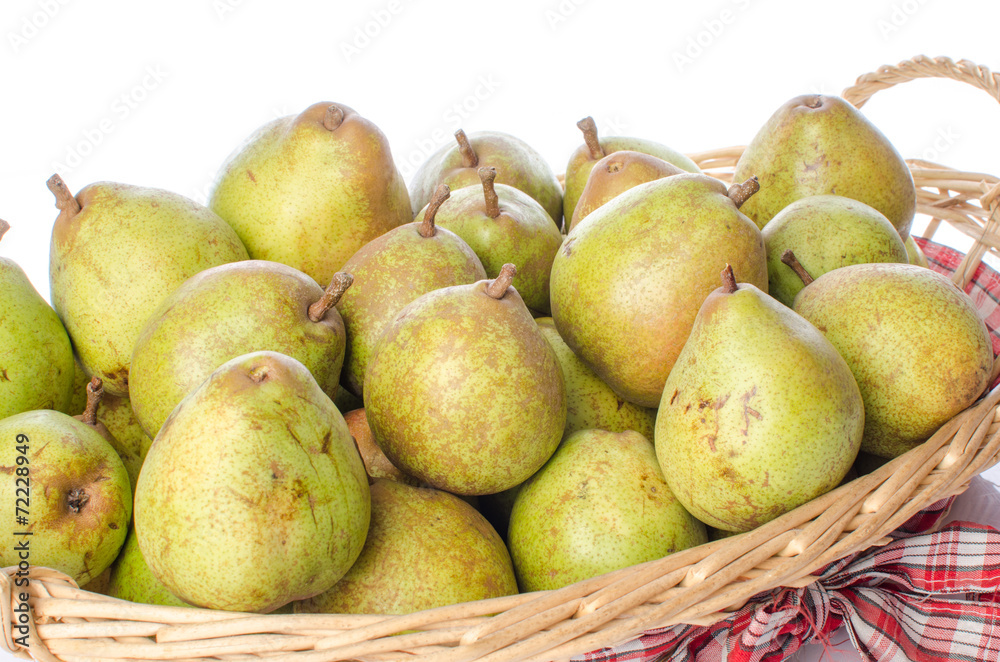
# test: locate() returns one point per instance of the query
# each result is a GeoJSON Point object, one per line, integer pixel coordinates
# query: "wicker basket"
{"type": "Point", "coordinates": [699, 585]}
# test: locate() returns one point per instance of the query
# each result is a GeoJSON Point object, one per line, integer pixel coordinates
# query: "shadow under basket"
{"type": "Point", "coordinates": [699, 586]}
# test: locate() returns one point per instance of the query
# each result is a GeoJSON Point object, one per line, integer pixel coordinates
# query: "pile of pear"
{"type": "Point", "coordinates": [328, 391]}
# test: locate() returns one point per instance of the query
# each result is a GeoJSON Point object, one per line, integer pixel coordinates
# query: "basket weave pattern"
{"type": "Point", "coordinates": [698, 586]}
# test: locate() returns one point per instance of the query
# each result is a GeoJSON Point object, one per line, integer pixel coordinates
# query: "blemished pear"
{"type": "Point", "coordinates": [309, 190]}
{"type": "Point", "coordinates": [760, 413]}
{"type": "Point", "coordinates": [117, 252]}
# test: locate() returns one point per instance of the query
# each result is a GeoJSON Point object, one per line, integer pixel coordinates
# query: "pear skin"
{"type": "Point", "coordinates": [913, 253]}
{"type": "Point", "coordinates": [132, 580]}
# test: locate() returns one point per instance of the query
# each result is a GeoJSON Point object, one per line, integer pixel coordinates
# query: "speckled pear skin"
{"type": "Point", "coordinates": [132, 580]}
{"type": "Point", "coordinates": [599, 504]}
{"type": "Point", "coordinates": [36, 358]}
{"type": "Point", "coordinates": [816, 144]}
{"type": "Point", "coordinates": [258, 466]}
{"type": "Point", "coordinates": [523, 235]}
{"type": "Point", "coordinates": [464, 393]}
{"type": "Point", "coordinates": [916, 344]}
{"type": "Point", "coordinates": [390, 272]}
{"type": "Point", "coordinates": [629, 279]}
{"type": "Point", "coordinates": [581, 164]}
{"type": "Point", "coordinates": [616, 173]}
{"type": "Point", "coordinates": [80, 502]}
{"type": "Point", "coordinates": [826, 232]}
{"type": "Point", "coordinates": [303, 195]}
{"type": "Point", "coordinates": [425, 549]}
{"type": "Point", "coordinates": [517, 163]}
{"type": "Point", "coordinates": [759, 415]}
{"type": "Point", "coordinates": [590, 403]}
{"type": "Point", "coordinates": [225, 312]}
{"type": "Point", "coordinates": [127, 437]}
{"type": "Point", "coordinates": [114, 262]}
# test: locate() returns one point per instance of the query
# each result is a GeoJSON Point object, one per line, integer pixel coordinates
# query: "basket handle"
{"type": "Point", "coordinates": [922, 66]}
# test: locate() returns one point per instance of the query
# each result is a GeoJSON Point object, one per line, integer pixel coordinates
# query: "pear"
{"type": "Point", "coordinates": [590, 403]}
{"type": "Point", "coordinates": [377, 465]}
{"type": "Point", "coordinates": [70, 488]}
{"type": "Point", "coordinates": [78, 396]}
{"type": "Point", "coordinates": [36, 358]}
{"type": "Point", "coordinates": [760, 413]}
{"type": "Point", "coordinates": [913, 253]}
{"type": "Point", "coordinates": [826, 232]}
{"type": "Point", "coordinates": [815, 144]}
{"type": "Point", "coordinates": [132, 580]}
{"type": "Point", "coordinates": [517, 165]}
{"type": "Point", "coordinates": [117, 251]}
{"type": "Point", "coordinates": [599, 504]}
{"type": "Point", "coordinates": [629, 279]}
{"type": "Point", "coordinates": [310, 190]}
{"type": "Point", "coordinates": [425, 549]}
{"type": "Point", "coordinates": [586, 156]}
{"type": "Point", "coordinates": [616, 173]}
{"type": "Point", "coordinates": [503, 225]}
{"type": "Point", "coordinates": [257, 465]}
{"type": "Point", "coordinates": [228, 311]}
{"type": "Point", "coordinates": [390, 272]}
{"type": "Point", "coordinates": [463, 374]}
{"type": "Point", "coordinates": [916, 344]}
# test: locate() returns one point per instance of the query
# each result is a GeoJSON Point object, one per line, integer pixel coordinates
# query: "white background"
{"type": "Point", "coordinates": [158, 94]}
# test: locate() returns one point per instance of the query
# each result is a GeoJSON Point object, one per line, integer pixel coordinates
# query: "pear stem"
{"type": "Point", "coordinates": [728, 280]}
{"type": "Point", "coordinates": [469, 157]}
{"type": "Point", "coordinates": [4, 226]}
{"type": "Point", "coordinates": [338, 285]}
{"type": "Point", "coordinates": [334, 118]}
{"type": "Point", "coordinates": [95, 391]}
{"type": "Point", "coordinates": [65, 202]}
{"type": "Point", "coordinates": [740, 193]}
{"type": "Point", "coordinates": [788, 257]}
{"type": "Point", "coordinates": [426, 227]}
{"type": "Point", "coordinates": [487, 174]}
{"type": "Point", "coordinates": [498, 287]}
{"type": "Point", "coordinates": [589, 128]}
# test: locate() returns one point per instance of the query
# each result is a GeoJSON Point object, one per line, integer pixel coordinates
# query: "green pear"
{"type": "Point", "coordinates": [517, 165]}
{"type": "Point", "coordinates": [826, 232]}
{"type": "Point", "coordinates": [126, 436]}
{"type": "Point", "coordinates": [390, 272]}
{"type": "Point", "coordinates": [599, 504]}
{"type": "Point", "coordinates": [377, 465]}
{"type": "Point", "coordinates": [815, 145]}
{"type": "Point", "coordinates": [310, 190]}
{"type": "Point", "coordinates": [132, 580]}
{"type": "Point", "coordinates": [36, 358]}
{"type": "Point", "coordinates": [463, 374]}
{"type": "Point", "coordinates": [502, 224]}
{"type": "Point", "coordinates": [78, 396]}
{"type": "Point", "coordinates": [228, 311]}
{"type": "Point", "coordinates": [913, 253]}
{"type": "Point", "coordinates": [616, 173]}
{"type": "Point", "coordinates": [629, 279]}
{"type": "Point", "coordinates": [916, 344]}
{"type": "Point", "coordinates": [70, 487]}
{"type": "Point", "coordinates": [117, 251]}
{"type": "Point", "coordinates": [586, 156]}
{"type": "Point", "coordinates": [590, 403]}
{"type": "Point", "coordinates": [256, 465]}
{"type": "Point", "coordinates": [760, 413]}
{"type": "Point", "coordinates": [425, 549]}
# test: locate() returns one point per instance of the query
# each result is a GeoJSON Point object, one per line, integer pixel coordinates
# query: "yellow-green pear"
{"type": "Point", "coordinates": [132, 580]}
{"type": "Point", "coordinates": [914, 254]}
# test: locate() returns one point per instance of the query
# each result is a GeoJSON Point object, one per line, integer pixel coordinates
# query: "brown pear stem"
{"type": "Point", "coordinates": [740, 193]}
{"type": "Point", "coordinates": [4, 226]}
{"type": "Point", "coordinates": [95, 391]}
{"type": "Point", "coordinates": [589, 128]}
{"type": "Point", "coordinates": [728, 280]}
{"type": "Point", "coordinates": [487, 174]}
{"type": "Point", "coordinates": [76, 499]}
{"type": "Point", "coordinates": [334, 118]}
{"type": "Point", "coordinates": [426, 228]}
{"type": "Point", "coordinates": [498, 287]}
{"type": "Point", "coordinates": [338, 285]}
{"type": "Point", "coordinates": [788, 257]}
{"type": "Point", "coordinates": [65, 202]}
{"type": "Point", "coordinates": [469, 157]}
